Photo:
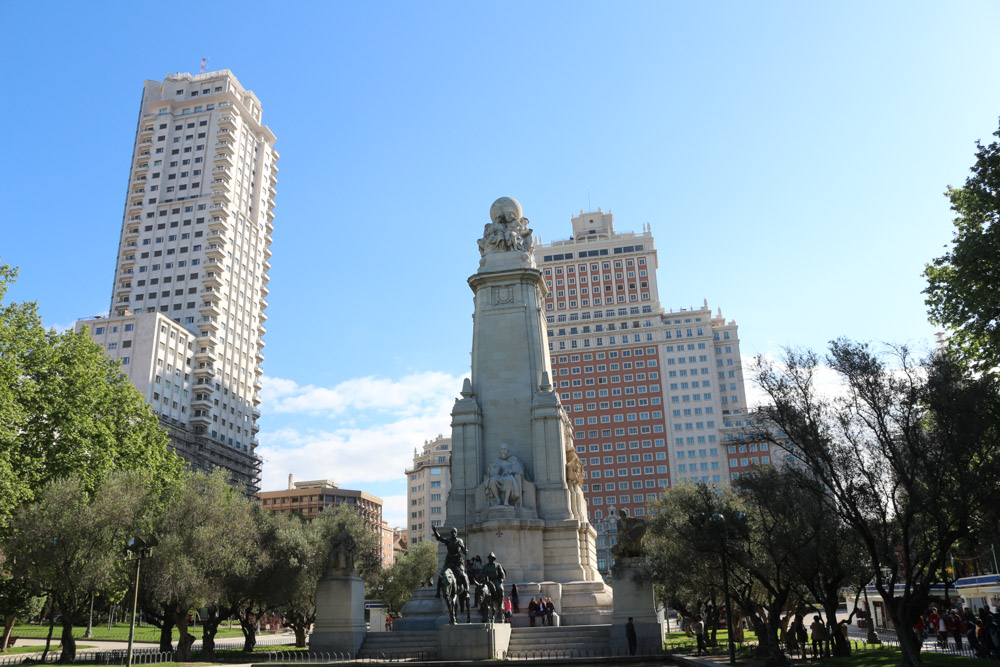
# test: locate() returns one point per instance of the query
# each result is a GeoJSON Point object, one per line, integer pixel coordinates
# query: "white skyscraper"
{"type": "Point", "coordinates": [190, 286]}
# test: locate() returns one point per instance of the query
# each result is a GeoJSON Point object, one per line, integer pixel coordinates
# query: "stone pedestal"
{"type": "Point", "coordinates": [633, 597]}
{"type": "Point", "coordinates": [424, 612]}
{"type": "Point", "coordinates": [340, 615]}
{"type": "Point", "coordinates": [473, 641]}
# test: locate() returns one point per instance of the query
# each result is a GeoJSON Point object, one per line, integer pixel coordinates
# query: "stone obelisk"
{"type": "Point", "coordinates": [516, 478]}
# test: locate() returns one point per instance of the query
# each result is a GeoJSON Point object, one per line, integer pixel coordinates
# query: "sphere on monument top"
{"type": "Point", "coordinates": [504, 205]}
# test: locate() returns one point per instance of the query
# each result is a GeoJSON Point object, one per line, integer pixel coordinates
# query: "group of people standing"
{"type": "Point", "coordinates": [982, 632]}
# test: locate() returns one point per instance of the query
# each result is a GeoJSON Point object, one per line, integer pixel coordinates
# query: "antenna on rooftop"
{"type": "Point", "coordinates": [204, 61]}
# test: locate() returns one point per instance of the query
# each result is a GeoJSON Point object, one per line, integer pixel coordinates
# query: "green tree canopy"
{"type": "Point", "coordinates": [70, 543]}
{"type": "Point", "coordinates": [963, 285]}
{"type": "Point", "coordinates": [66, 408]}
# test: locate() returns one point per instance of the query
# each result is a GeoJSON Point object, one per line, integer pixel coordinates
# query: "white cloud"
{"type": "Point", "coordinates": [408, 395]}
{"type": "Point", "coordinates": [378, 424]}
{"type": "Point", "coordinates": [394, 510]}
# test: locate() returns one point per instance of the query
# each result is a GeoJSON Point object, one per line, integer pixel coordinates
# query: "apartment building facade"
{"type": "Point", "coordinates": [648, 390]}
{"type": "Point", "coordinates": [428, 484]}
{"type": "Point", "coordinates": [311, 497]}
{"type": "Point", "coordinates": [192, 264]}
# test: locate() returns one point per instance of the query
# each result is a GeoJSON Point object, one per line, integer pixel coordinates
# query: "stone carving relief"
{"type": "Point", "coordinates": [503, 294]}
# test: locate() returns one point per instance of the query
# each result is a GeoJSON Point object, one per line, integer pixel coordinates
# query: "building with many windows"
{"type": "Point", "coordinates": [648, 390]}
{"type": "Point", "coordinates": [428, 483]}
{"type": "Point", "coordinates": [310, 498]}
{"type": "Point", "coordinates": [189, 294]}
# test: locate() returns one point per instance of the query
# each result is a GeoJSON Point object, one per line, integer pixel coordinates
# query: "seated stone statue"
{"type": "Point", "coordinates": [343, 550]}
{"type": "Point", "coordinates": [504, 479]}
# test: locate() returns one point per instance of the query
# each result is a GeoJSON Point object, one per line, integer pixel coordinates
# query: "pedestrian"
{"type": "Point", "coordinates": [801, 636]}
{"type": "Point", "coordinates": [514, 599]}
{"type": "Point", "coordinates": [506, 610]}
{"type": "Point", "coordinates": [698, 627]}
{"type": "Point", "coordinates": [818, 636]}
{"type": "Point", "coordinates": [532, 611]}
{"type": "Point", "coordinates": [956, 629]}
{"type": "Point", "coordinates": [630, 636]}
{"type": "Point", "coordinates": [388, 623]}
{"type": "Point", "coordinates": [550, 611]}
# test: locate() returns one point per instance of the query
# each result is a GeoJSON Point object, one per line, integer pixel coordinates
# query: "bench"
{"type": "Point", "coordinates": [11, 641]}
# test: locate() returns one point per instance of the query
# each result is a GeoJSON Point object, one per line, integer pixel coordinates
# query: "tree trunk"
{"type": "Point", "coordinates": [68, 643]}
{"type": "Point", "coordinates": [52, 625]}
{"type": "Point", "coordinates": [249, 632]}
{"type": "Point", "coordinates": [300, 635]}
{"type": "Point", "coordinates": [167, 635]}
{"type": "Point", "coordinates": [184, 639]}
{"type": "Point", "coordinates": [8, 628]}
{"type": "Point", "coordinates": [839, 643]}
{"type": "Point", "coordinates": [210, 627]}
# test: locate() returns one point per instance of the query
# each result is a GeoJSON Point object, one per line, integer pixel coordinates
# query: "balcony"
{"type": "Point", "coordinates": [225, 147]}
{"type": "Point", "coordinates": [262, 315]}
{"type": "Point", "coordinates": [225, 134]}
{"type": "Point", "coordinates": [260, 359]}
{"type": "Point", "coordinates": [204, 371]}
{"type": "Point", "coordinates": [210, 295]}
{"type": "Point", "coordinates": [270, 215]}
{"type": "Point", "coordinates": [218, 223]}
{"type": "Point", "coordinates": [213, 279]}
{"type": "Point", "coordinates": [141, 168]}
{"type": "Point", "coordinates": [261, 329]}
{"type": "Point", "coordinates": [224, 159]}
{"type": "Point", "coordinates": [206, 356]}
{"type": "Point", "coordinates": [263, 304]}
{"type": "Point", "coordinates": [203, 419]}
{"type": "Point", "coordinates": [216, 251]}
{"type": "Point", "coordinates": [210, 325]}
{"type": "Point", "coordinates": [210, 309]}
{"type": "Point", "coordinates": [255, 428]}
{"type": "Point", "coordinates": [227, 121]}
{"type": "Point", "coordinates": [203, 403]}
{"type": "Point", "coordinates": [221, 196]}
{"type": "Point", "coordinates": [267, 266]}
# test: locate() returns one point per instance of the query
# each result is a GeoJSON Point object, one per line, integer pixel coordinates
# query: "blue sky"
{"type": "Point", "coordinates": [790, 158]}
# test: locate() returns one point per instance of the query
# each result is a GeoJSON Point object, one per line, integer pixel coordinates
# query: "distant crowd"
{"type": "Point", "coordinates": [541, 610]}
{"type": "Point", "coordinates": [982, 631]}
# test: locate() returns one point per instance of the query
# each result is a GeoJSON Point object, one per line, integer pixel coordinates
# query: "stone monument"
{"type": "Point", "coordinates": [340, 600]}
{"type": "Point", "coordinates": [516, 478]}
{"type": "Point", "coordinates": [633, 590]}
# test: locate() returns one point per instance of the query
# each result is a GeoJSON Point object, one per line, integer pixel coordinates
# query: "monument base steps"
{"type": "Point", "coordinates": [399, 644]}
{"type": "Point", "coordinates": [576, 641]}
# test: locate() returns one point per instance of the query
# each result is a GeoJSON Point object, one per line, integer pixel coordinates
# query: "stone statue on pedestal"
{"type": "Point", "coordinates": [503, 482]}
{"type": "Point", "coordinates": [343, 551]}
{"type": "Point", "coordinates": [630, 532]}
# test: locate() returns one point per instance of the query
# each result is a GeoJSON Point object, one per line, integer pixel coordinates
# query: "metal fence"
{"type": "Point", "coordinates": [334, 656]}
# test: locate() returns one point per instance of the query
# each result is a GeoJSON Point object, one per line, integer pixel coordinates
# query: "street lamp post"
{"type": "Point", "coordinates": [136, 550]}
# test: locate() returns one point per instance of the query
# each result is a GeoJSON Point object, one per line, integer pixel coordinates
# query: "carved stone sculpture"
{"type": "Point", "coordinates": [630, 532]}
{"type": "Point", "coordinates": [574, 469]}
{"type": "Point", "coordinates": [504, 479]}
{"type": "Point", "coordinates": [508, 230]}
{"type": "Point", "coordinates": [343, 550]}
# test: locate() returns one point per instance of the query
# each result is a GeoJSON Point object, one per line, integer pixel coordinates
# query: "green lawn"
{"type": "Point", "coordinates": [39, 648]}
{"type": "Point", "coordinates": [146, 633]}
{"type": "Point", "coordinates": [887, 657]}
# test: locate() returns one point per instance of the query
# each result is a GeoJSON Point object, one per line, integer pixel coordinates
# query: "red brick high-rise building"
{"type": "Point", "coordinates": [649, 391]}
